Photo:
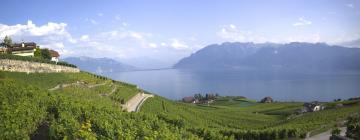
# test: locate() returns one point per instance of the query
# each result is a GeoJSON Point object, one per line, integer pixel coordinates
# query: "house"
{"type": "Point", "coordinates": [312, 107]}
{"type": "Point", "coordinates": [3, 50]}
{"type": "Point", "coordinates": [54, 56]}
{"type": "Point", "coordinates": [23, 49]}
{"type": "Point", "coordinates": [189, 99]}
{"type": "Point", "coordinates": [267, 100]}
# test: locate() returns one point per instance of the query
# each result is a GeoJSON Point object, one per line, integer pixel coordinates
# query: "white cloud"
{"type": "Point", "coordinates": [117, 17]}
{"type": "Point", "coordinates": [31, 29]}
{"type": "Point", "coordinates": [51, 35]}
{"type": "Point", "coordinates": [125, 24]}
{"type": "Point", "coordinates": [92, 21]}
{"type": "Point", "coordinates": [235, 34]}
{"type": "Point", "coordinates": [152, 45]}
{"type": "Point", "coordinates": [232, 26]}
{"type": "Point", "coordinates": [136, 35]}
{"type": "Point", "coordinates": [84, 38]}
{"type": "Point", "coordinates": [302, 22]}
{"type": "Point", "coordinates": [177, 44]}
{"type": "Point", "coordinates": [350, 5]}
{"type": "Point", "coordinates": [116, 43]}
{"type": "Point", "coordinates": [232, 33]}
{"type": "Point", "coordinates": [313, 38]}
{"type": "Point", "coordinates": [100, 14]}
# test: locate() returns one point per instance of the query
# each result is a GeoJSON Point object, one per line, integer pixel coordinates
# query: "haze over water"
{"type": "Point", "coordinates": [175, 84]}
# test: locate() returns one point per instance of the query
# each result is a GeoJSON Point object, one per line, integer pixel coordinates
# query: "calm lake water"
{"type": "Point", "coordinates": [175, 84]}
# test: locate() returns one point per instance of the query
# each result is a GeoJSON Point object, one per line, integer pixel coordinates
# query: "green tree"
{"type": "Point", "coordinates": [353, 127]}
{"type": "Point", "coordinates": [7, 42]}
{"type": "Point", "coordinates": [37, 52]}
{"type": "Point", "coordinates": [45, 53]}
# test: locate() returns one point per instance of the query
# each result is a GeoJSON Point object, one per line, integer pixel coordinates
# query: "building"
{"type": "Point", "coordinates": [189, 99]}
{"type": "Point", "coordinates": [312, 107]}
{"type": "Point", "coordinates": [54, 56]}
{"type": "Point", "coordinates": [267, 100]}
{"type": "Point", "coordinates": [3, 50]}
{"type": "Point", "coordinates": [23, 49]}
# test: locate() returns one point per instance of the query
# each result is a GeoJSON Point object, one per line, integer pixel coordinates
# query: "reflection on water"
{"type": "Point", "coordinates": [175, 84]}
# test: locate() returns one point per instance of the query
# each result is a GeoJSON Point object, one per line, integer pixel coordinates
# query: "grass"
{"type": "Point", "coordinates": [49, 80]}
{"type": "Point", "coordinates": [26, 104]}
{"type": "Point", "coordinates": [241, 114]}
{"type": "Point", "coordinates": [233, 101]}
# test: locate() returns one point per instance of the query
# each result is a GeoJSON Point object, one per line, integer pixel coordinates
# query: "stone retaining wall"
{"type": "Point", "coordinates": [32, 67]}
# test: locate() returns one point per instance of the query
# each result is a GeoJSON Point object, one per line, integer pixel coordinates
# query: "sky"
{"type": "Point", "coordinates": [168, 30]}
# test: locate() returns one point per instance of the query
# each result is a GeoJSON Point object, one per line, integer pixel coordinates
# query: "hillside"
{"type": "Point", "coordinates": [99, 65]}
{"type": "Point", "coordinates": [294, 56]}
{"type": "Point", "coordinates": [249, 121]}
{"type": "Point", "coordinates": [35, 106]}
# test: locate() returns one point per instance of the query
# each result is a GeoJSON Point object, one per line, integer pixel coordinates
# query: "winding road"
{"type": "Point", "coordinates": [326, 135]}
{"type": "Point", "coordinates": [134, 104]}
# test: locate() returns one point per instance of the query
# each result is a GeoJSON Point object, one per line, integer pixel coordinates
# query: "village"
{"type": "Point", "coordinates": [28, 49]}
{"type": "Point", "coordinates": [210, 98]}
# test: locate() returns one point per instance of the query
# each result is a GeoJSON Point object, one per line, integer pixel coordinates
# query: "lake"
{"type": "Point", "coordinates": [175, 84]}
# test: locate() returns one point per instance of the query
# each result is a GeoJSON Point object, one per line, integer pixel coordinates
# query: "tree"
{"type": "Point", "coordinates": [7, 42]}
{"type": "Point", "coordinates": [45, 53]}
{"type": "Point", "coordinates": [335, 133]}
{"type": "Point", "coordinates": [353, 127]}
{"type": "Point", "coordinates": [37, 52]}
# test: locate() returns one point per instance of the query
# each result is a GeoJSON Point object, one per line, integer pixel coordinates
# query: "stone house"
{"type": "Point", "coordinates": [54, 56]}
{"type": "Point", "coordinates": [312, 107]}
{"type": "Point", "coordinates": [23, 49]}
{"type": "Point", "coordinates": [267, 100]}
{"type": "Point", "coordinates": [189, 99]}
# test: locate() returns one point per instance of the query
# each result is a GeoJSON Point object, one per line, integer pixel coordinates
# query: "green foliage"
{"type": "Point", "coordinates": [234, 101]}
{"type": "Point", "coordinates": [37, 52]}
{"type": "Point", "coordinates": [7, 42]}
{"type": "Point", "coordinates": [124, 93]}
{"type": "Point", "coordinates": [353, 127]}
{"type": "Point", "coordinates": [335, 131]}
{"type": "Point", "coordinates": [256, 121]}
{"type": "Point", "coordinates": [34, 59]}
{"type": "Point", "coordinates": [74, 112]}
{"type": "Point", "coordinates": [45, 54]}
{"type": "Point", "coordinates": [81, 112]}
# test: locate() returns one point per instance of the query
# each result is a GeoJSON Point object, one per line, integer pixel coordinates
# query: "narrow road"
{"type": "Point", "coordinates": [326, 135]}
{"type": "Point", "coordinates": [134, 104]}
{"type": "Point", "coordinates": [75, 83]}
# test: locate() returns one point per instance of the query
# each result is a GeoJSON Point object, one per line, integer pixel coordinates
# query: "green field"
{"type": "Point", "coordinates": [28, 109]}
{"type": "Point", "coordinates": [242, 118]}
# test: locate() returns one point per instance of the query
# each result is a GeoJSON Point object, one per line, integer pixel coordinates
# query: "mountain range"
{"type": "Point", "coordinates": [99, 65]}
{"type": "Point", "coordinates": [295, 56]}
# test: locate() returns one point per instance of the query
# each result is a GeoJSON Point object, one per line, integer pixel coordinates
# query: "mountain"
{"type": "Point", "coordinates": [353, 43]}
{"type": "Point", "coordinates": [99, 65]}
{"type": "Point", "coordinates": [294, 56]}
{"type": "Point", "coordinates": [148, 63]}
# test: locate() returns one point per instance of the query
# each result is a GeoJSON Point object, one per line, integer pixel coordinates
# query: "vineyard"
{"type": "Point", "coordinates": [90, 108]}
{"type": "Point", "coordinates": [244, 120]}
{"type": "Point", "coordinates": [34, 59]}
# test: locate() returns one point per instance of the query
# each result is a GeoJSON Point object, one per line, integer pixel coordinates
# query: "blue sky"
{"type": "Point", "coordinates": [167, 30]}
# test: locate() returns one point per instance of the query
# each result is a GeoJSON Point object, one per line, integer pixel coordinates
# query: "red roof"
{"type": "Point", "coordinates": [54, 53]}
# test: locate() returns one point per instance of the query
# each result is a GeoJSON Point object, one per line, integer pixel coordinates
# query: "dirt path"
{"type": "Point", "coordinates": [134, 104]}
{"type": "Point", "coordinates": [59, 86]}
{"type": "Point", "coordinates": [326, 135]}
{"type": "Point", "coordinates": [111, 92]}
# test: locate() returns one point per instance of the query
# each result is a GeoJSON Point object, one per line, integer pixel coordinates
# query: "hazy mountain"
{"type": "Point", "coordinates": [293, 56]}
{"type": "Point", "coordinates": [99, 65]}
{"type": "Point", "coordinates": [148, 63]}
{"type": "Point", "coordinates": [354, 43]}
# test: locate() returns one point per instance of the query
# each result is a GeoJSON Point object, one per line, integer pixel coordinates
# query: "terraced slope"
{"type": "Point", "coordinates": [87, 106]}
{"type": "Point", "coordinates": [246, 119]}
